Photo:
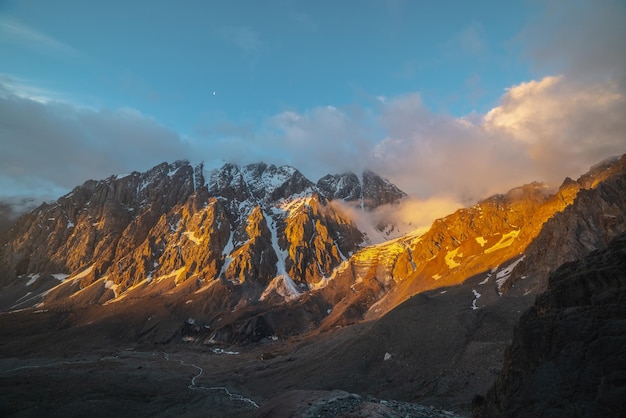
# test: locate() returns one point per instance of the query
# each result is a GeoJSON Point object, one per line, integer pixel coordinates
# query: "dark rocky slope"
{"type": "Point", "coordinates": [568, 352]}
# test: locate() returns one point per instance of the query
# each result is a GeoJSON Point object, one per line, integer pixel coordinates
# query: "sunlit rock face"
{"type": "Point", "coordinates": [596, 217]}
{"type": "Point", "coordinates": [512, 241]}
{"type": "Point", "coordinates": [95, 222]}
{"type": "Point", "coordinates": [249, 225]}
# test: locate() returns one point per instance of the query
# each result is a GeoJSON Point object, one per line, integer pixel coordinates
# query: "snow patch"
{"type": "Point", "coordinates": [504, 275]}
{"type": "Point", "coordinates": [291, 205]}
{"type": "Point", "coordinates": [222, 351]}
{"type": "Point", "coordinates": [481, 241]}
{"type": "Point", "coordinates": [284, 286]}
{"type": "Point", "coordinates": [33, 278]}
{"type": "Point", "coordinates": [436, 276]}
{"type": "Point", "coordinates": [171, 173]}
{"type": "Point", "coordinates": [206, 287]}
{"type": "Point", "coordinates": [175, 273]}
{"type": "Point", "coordinates": [506, 240]}
{"type": "Point", "coordinates": [192, 237]}
{"type": "Point", "coordinates": [450, 256]}
{"type": "Point", "coordinates": [486, 280]}
{"type": "Point", "coordinates": [83, 273]}
{"type": "Point", "coordinates": [110, 284]}
{"type": "Point", "coordinates": [387, 357]}
{"type": "Point", "coordinates": [60, 276]}
{"type": "Point", "coordinates": [476, 296]}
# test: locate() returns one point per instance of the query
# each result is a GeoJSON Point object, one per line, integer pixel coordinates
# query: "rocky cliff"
{"type": "Point", "coordinates": [266, 228]}
{"type": "Point", "coordinates": [369, 191]}
{"type": "Point", "coordinates": [567, 355]}
{"type": "Point", "coordinates": [514, 239]}
{"type": "Point", "coordinates": [595, 217]}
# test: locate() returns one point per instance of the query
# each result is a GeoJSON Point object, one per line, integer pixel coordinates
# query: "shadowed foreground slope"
{"type": "Point", "coordinates": [567, 355]}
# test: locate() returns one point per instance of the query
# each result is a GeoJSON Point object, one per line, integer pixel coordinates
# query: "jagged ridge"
{"type": "Point", "coordinates": [269, 249]}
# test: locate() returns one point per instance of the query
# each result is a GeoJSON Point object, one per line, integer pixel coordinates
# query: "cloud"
{"type": "Point", "coordinates": [542, 130]}
{"type": "Point", "coordinates": [581, 39]}
{"type": "Point", "coordinates": [12, 85]}
{"type": "Point", "coordinates": [50, 147]}
{"type": "Point", "coordinates": [16, 32]}
{"type": "Point", "coordinates": [410, 215]}
{"type": "Point", "coordinates": [564, 126]}
{"type": "Point", "coordinates": [317, 142]}
{"type": "Point", "coordinates": [322, 140]}
{"type": "Point", "coordinates": [427, 154]}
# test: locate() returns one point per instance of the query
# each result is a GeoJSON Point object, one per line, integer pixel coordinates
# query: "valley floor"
{"type": "Point", "coordinates": [431, 350]}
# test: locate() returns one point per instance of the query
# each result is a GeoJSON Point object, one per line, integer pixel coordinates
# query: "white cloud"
{"type": "Point", "coordinates": [543, 130]}
{"type": "Point", "coordinates": [10, 84]}
{"type": "Point", "coordinates": [14, 31]}
{"type": "Point", "coordinates": [49, 147]}
{"type": "Point", "coordinates": [322, 140]}
{"type": "Point", "coordinates": [564, 126]}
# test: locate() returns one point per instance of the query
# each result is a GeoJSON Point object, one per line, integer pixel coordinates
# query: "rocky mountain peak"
{"type": "Point", "coordinates": [261, 182]}
{"type": "Point", "coordinates": [601, 171]}
{"type": "Point", "coordinates": [345, 186]}
{"type": "Point", "coordinates": [370, 191]}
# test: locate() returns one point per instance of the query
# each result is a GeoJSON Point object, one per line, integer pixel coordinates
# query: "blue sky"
{"type": "Point", "coordinates": [260, 58]}
{"type": "Point", "coordinates": [95, 88]}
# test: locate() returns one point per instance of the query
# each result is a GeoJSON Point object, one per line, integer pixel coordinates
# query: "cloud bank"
{"type": "Point", "coordinates": [542, 130]}
{"type": "Point", "coordinates": [48, 147]}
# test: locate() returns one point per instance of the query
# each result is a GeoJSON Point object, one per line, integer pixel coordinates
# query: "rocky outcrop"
{"type": "Point", "coordinates": [84, 227]}
{"type": "Point", "coordinates": [340, 404]}
{"type": "Point", "coordinates": [370, 191]}
{"type": "Point", "coordinates": [567, 355]}
{"type": "Point", "coordinates": [345, 186]}
{"type": "Point", "coordinates": [595, 217]}
{"type": "Point", "coordinates": [256, 258]}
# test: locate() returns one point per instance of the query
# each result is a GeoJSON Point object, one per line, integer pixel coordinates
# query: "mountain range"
{"type": "Point", "coordinates": [260, 258]}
